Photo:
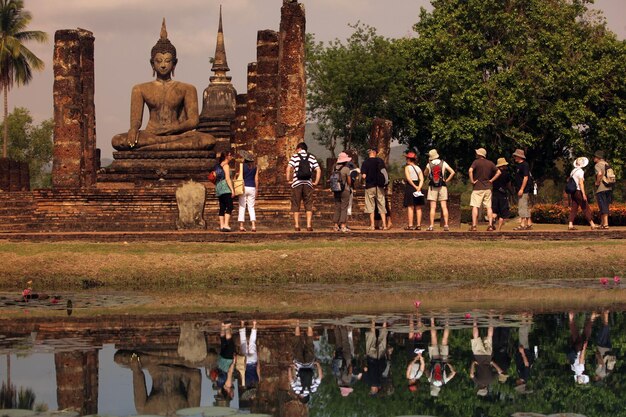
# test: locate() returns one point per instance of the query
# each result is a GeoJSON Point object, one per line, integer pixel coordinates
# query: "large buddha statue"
{"type": "Point", "coordinates": [173, 107]}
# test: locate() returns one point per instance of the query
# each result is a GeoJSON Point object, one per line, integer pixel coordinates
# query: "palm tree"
{"type": "Point", "coordinates": [16, 60]}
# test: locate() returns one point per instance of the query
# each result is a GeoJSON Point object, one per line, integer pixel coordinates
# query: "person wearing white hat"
{"type": "Point", "coordinates": [579, 198]}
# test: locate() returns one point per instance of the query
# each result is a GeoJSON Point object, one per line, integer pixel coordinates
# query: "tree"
{"type": "Point", "coordinates": [350, 83]}
{"type": "Point", "coordinates": [16, 61]}
{"type": "Point", "coordinates": [32, 144]}
{"type": "Point", "coordinates": [545, 76]}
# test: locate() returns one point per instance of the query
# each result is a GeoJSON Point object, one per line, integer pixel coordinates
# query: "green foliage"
{"type": "Point", "coordinates": [545, 76]}
{"type": "Point", "coordinates": [350, 83]}
{"type": "Point", "coordinates": [31, 143]}
{"type": "Point", "coordinates": [17, 62]}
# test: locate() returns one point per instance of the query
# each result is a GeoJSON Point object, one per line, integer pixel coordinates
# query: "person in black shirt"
{"type": "Point", "coordinates": [500, 200]}
{"type": "Point", "coordinates": [371, 172]}
{"type": "Point", "coordinates": [524, 187]}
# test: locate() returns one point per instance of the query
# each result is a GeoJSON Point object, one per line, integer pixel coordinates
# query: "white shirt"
{"type": "Point", "coordinates": [415, 372]}
{"type": "Point", "coordinates": [414, 172]}
{"type": "Point", "coordinates": [579, 175]}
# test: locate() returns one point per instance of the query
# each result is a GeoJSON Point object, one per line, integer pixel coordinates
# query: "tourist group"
{"type": "Point", "coordinates": [492, 184]}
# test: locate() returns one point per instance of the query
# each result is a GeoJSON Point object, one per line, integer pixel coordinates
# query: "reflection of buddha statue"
{"type": "Point", "coordinates": [173, 109]}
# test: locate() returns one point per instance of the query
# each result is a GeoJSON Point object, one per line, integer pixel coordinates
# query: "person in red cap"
{"type": "Point", "coordinates": [413, 197]}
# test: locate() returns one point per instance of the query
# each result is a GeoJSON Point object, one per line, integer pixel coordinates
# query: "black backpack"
{"type": "Point", "coordinates": [306, 378]}
{"type": "Point", "coordinates": [570, 186]}
{"type": "Point", "coordinates": [304, 169]}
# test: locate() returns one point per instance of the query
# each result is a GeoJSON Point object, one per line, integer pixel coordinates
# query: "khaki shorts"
{"type": "Point", "coordinates": [437, 194]}
{"type": "Point", "coordinates": [523, 207]}
{"type": "Point", "coordinates": [481, 198]}
{"type": "Point", "coordinates": [375, 196]}
{"type": "Point", "coordinates": [301, 193]}
{"type": "Point", "coordinates": [438, 352]}
{"type": "Point", "coordinates": [482, 346]}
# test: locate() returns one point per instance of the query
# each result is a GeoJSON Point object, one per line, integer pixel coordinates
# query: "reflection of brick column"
{"type": "Point", "coordinates": [381, 137]}
{"type": "Point", "coordinates": [292, 88]}
{"type": "Point", "coordinates": [77, 381]}
{"type": "Point", "coordinates": [266, 96]}
{"type": "Point", "coordinates": [74, 155]}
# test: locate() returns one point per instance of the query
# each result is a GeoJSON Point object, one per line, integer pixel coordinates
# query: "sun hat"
{"type": "Point", "coordinates": [581, 162]}
{"type": "Point", "coordinates": [343, 157]}
{"type": "Point", "coordinates": [432, 155]}
{"type": "Point", "coordinates": [481, 152]}
{"type": "Point", "coordinates": [519, 153]}
{"type": "Point", "coordinates": [411, 155]}
{"type": "Point", "coordinates": [482, 392]}
{"type": "Point", "coordinates": [247, 156]}
{"type": "Point", "coordinates": [521, 388]}
{"type": "Point", "coordinates": [345, 391]}
{"type": "Point", "coordinates": [599, 154]}
{"type": "Point", "coordinates": [501, 162]}
{"type": "Point", "coordinates": [434, 390]}
{"type": "Point", "coordinates": [502, 378]}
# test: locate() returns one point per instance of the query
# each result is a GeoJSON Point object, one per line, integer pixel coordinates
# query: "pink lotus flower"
{"type": "Point", "coordinates": [468, 316]}
{"type": "Point", "coordinates": [26, 292]}
{"type": "Point", "coordinates": [604, 281]}
{"type": "Point", "coordinates": [417, 303]}
{"type": "Point", "coordinates": [616, 279]}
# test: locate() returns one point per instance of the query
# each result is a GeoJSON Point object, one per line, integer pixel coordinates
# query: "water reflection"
{"type": "Point", "coordinates": [439, 363]}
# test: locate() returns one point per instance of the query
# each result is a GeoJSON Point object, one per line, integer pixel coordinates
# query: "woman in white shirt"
{"type": "Point", "coordinates": [413, 197]}
{"type": "Point", "coordinates": [579, 198]}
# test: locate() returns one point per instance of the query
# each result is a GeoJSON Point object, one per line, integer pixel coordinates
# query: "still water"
{"type": "Point", "coordinates": [439, 363]}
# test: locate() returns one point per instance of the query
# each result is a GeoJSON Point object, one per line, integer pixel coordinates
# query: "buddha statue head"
{"type": "Point", "coordinates": [163, 55]}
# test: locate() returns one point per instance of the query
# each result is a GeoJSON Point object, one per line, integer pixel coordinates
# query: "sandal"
{"type": "Point", "coordinates": [429, 229]}
{"type": "Point", "coordinates": [446, 228]}
{"type": "Point", "coordinates": [571, 228]}
{"type": "Point", "coordinates": [253, 229]}
{"type": "Point", "coordinates": [242, 229]}
{"type": "Point", "coordinates": [604, 227]}
{"type": "Point", "coordinates": [297, 229]}
{"type": "Point", "coordinates": [418, 228]}
{"type": "Point", "coordinates": [529, 227]}
{"type": "Point", "coordinates": [371, 228]}
{"type": "Point", "coordinates": [491, 228]}
{"type": "Point", "coordinates": [520, 228]}
{"type": "Point", "coordinates": [409, 228]}
{"type": "Point", "coordinates": [472, 228]}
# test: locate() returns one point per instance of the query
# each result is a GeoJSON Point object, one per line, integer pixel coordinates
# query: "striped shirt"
{"type": "Point", "coordinates": [294, 162]}
{"type": "Point", "coordinates": [296, 384]}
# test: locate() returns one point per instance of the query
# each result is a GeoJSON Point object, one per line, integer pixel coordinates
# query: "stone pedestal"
{"type": "Point", "coordinates": [74, 155]}
{"type": "Point", "coordinates": [137, 166]}
{"type": "Point", "coordinates": [14, 175]}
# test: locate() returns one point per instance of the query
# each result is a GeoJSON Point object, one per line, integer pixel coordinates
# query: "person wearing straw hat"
{"type": "Point", "coordinates": [413, 197]}
{"type": "Point", "coordinates": [579, 198]}
{"type": "Point", "coordinates": [342, 197]}
{"type": "Point", "coordinates": [248, 198]}
{"type": "Point", "coordinates": [524, 187]}
{"type": "Point", "coordinates": [482, 174]}
{"type": "Point", "coordinates": [604, 189]}
{"type": "Point", "coordinates": [500, 200]}
{"type": "Point", "coordinates": [436, 171]}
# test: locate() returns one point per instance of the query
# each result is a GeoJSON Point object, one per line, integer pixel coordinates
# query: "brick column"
{"type": "Point", "coordinates": [238, 126]}
{"type": "Point", "coordinates": [252, 115]}
{"type": "Point", "coordinates": [381, 137]}
{"type": "Point", "coordinates": [292, 87]}
{"type": "Point", "coordinates": [74, 156]}
{"type": "Point", "coordinates": [266, 107]}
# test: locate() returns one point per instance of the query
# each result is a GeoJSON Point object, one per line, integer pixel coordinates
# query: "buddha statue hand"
{"type": "Point", "coordinates": [133, 137]}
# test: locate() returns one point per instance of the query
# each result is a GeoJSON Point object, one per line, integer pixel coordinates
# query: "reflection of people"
{"type": "Point", "coordinates": [605, 358]}
{"type": "Point", "coordinates": [502, 350]}
{"type": "Point", "coordinates": [415, 347]}
{"type": "Point", "coordinates": [578, 348]}
{"type": "Point", "coordinates": [439, 354]}
{"type": "Point", "coordinates": [222, 375]}
{"type": "Point", "coordinates": [305, 373]}
{"type": "Point", "coordinates": [173, 109]}
{"type": "Point", "coordinates": [173, 387]}
{"type": "Point", "coordinates": [343, 368]}
{"type": "Point", "coordinates": [375, 351]}
{"type": "Point", "coordinates": [524, 356]}
{"type": "Point", "coordinates": [248, 349]}
{"type": "Point", "coordinates": [481, 370]}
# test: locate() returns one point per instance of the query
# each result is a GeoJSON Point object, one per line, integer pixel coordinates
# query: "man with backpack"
{"type": "Point", "coordinates": [524, 186]}
{"type": "Point", "coordinates": [605, 178]}
{"type": "Point", "coordinates": [301, 169]}
{"type": "Point", "coordinates": [436, 171]}
{"type": "Point", "coordinates": [374, 172]}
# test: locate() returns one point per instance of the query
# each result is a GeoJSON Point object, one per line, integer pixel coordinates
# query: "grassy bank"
{"type": "Point", "coordinates": [187, 266]}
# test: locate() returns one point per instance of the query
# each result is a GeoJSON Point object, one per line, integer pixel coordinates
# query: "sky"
{"type": "Point", "coordinates": [126, 30]}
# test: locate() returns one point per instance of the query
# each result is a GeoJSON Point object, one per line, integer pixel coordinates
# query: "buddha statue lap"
{"type": "Point", "coordinates": [173, 107]}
